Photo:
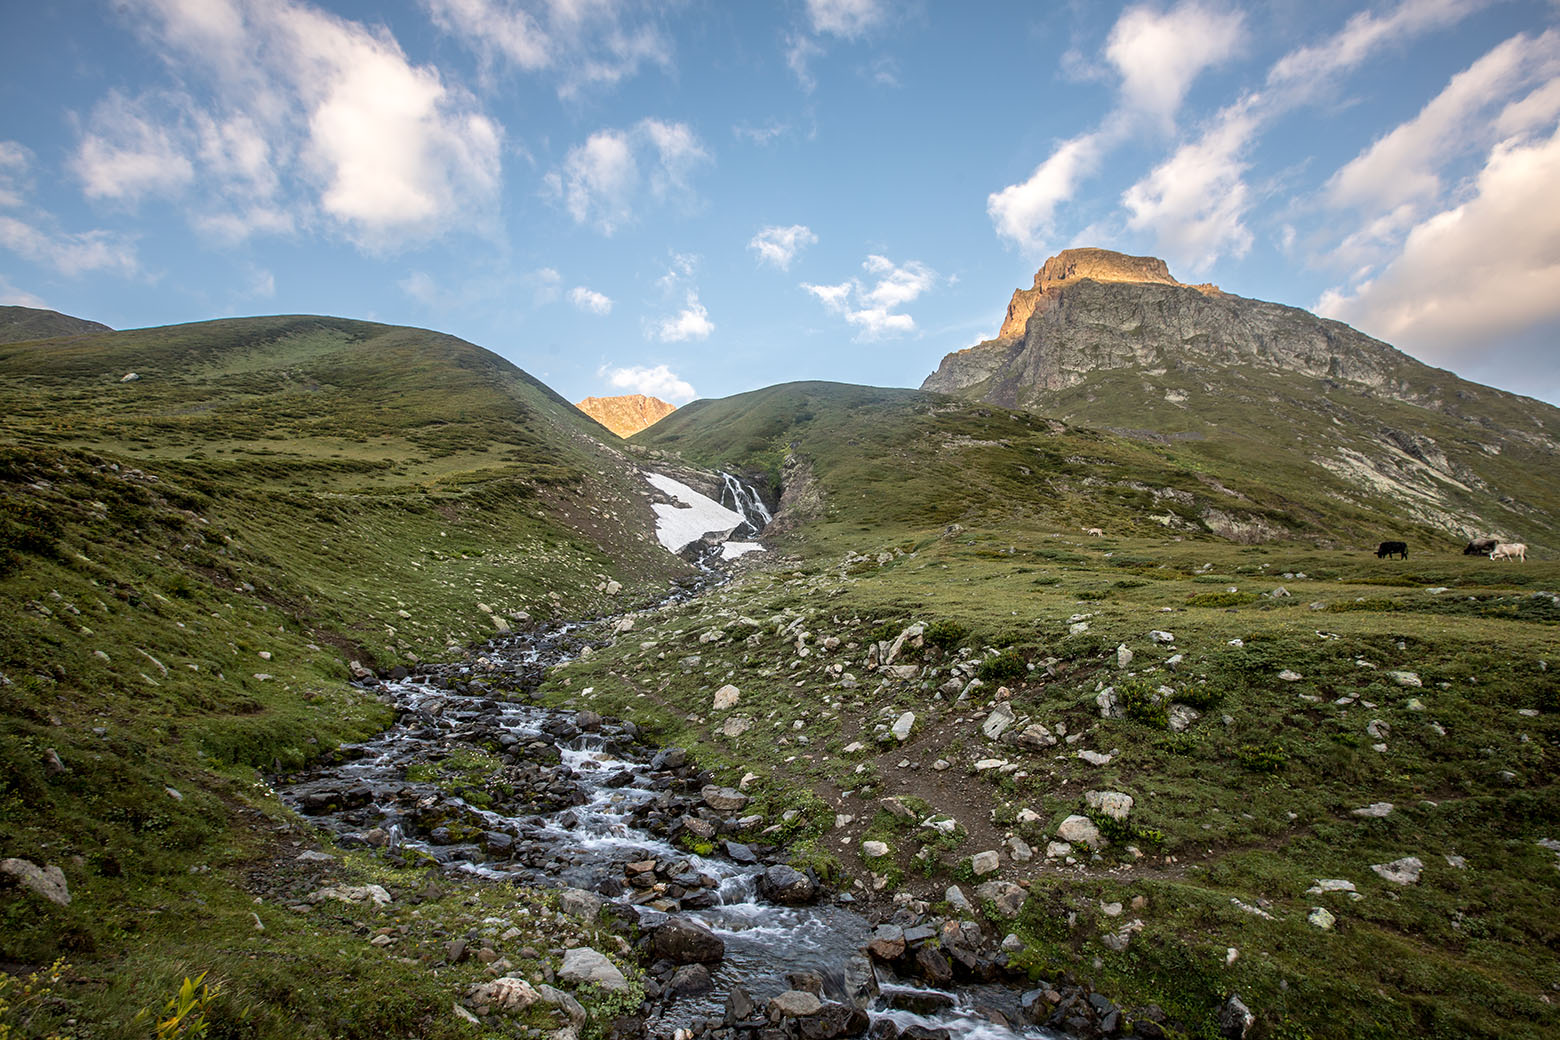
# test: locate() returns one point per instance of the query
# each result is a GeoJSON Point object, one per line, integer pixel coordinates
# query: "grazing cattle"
{"type": "Point", "coordinates": [1390, 549]}
{"type": "Point", "coordinates": [1481, 547]}
{"type": "Point", "coordinates": [1509, 551]}
{"type": "Point", "coordinates": [1094, 532]}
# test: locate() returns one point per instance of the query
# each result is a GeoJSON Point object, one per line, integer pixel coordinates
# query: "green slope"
{"type": "Point", "coordinates": [188, 563]}
{"type": "Point", "coordinates": [24, 323]}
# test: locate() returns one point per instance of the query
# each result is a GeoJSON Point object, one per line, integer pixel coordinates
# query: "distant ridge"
{"type": "Point", "coordinates": [627, 414]}
{"type": "Point", "coordinates": [19, 324]}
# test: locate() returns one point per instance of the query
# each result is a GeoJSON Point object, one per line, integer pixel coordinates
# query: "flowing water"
{"type": "Point", "coordinates": [582, 803]}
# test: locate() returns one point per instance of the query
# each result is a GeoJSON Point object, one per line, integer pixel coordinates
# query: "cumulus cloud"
{"type": "Point", "coordinates": [1156, 55]}
{"type": "Point", "coordinates": [692, 322]}
{"type": "Point", "coordinates": [778, 246]}
{"type": "Point", "coordinates": [15, 173]}
{"type": "Point", "coordinates": [590, 300]}
{"type": "Point", "coordinates": [310, 118]}
{"type": "Point", "coordinates": [603, 181]}
{"type": "Point", "coordinates": [1195, 202]}
{"type": "Point", "coordinates": [873, 305]}
{"type": "Point", "coordinates": [590, 44]}
{"type": "Point", "coordinates": [1472, 273]}
{"type": "Point", "coordinates": [1025, 212]}
{"type": "Point", "coordinates": [1159, 54]}
{"type": "Point", "coordinates": [659, 381]}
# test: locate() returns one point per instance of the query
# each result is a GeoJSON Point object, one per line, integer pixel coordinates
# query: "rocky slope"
{"type": "Point", "coordinates": [628, 414]}
{"type": "Point", "coordinates": [1116, 342]}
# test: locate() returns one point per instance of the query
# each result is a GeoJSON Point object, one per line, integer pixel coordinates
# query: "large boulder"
{"type": "Point", "coordinates": [684, 941]}
{"type": "Point", "coordinates": [787, 885]}
{"type": "Point", "coordinates": [723, 799]}
{"type": "Point", "coordinates": [1080, 830]}
{"type": "Point", "coordinates": [45, 882]}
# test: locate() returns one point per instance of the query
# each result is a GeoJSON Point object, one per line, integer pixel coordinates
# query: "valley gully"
{"type": "Point", "coordinates": [736, 944]}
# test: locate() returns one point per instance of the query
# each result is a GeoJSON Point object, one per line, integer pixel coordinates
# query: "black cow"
{"type": "Point", "coordinates": [1390, 549]}
{"type": "Point", "coordinates": [1481, 547]}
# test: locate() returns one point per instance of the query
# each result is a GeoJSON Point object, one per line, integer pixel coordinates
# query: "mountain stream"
{"type": "Point", "coordinates": [582, 804]}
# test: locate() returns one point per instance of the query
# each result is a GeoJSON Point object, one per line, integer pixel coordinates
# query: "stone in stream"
{"type": "Point", "coordinates": [787, 885]}
{"type": "Point", "coordinates": [690, 980]}
{"type": "Point", "coordinates": [578, 903]}
{"type": "Point", "coordinates": [583, 964]}
{"type": "Point", "coordinates": [858, 981]}
{"type": "Point", "coordinates": [833, 1020]}
{"type": "Point", "coordinates": [683, 941]}
{"type": "Point", "coordinates": [793, 1003]}
{"type": "Point", "coordinates": [887, 943]}
{"type": "Point", "coordinates": [739, 1006]}
{"type": "Point", "coordinates": [932, 965]}
{"type": "Point", "coordinates": [740, 853]}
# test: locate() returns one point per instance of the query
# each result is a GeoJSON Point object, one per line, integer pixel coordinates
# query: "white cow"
{"type": "Point", "coordinates": [1094, 532]}
{"type": "Point", "coordinates": [1510, 551]}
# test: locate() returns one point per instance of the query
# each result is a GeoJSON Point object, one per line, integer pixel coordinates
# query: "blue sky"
{"type": "Point", "coordinates": [703, 197]}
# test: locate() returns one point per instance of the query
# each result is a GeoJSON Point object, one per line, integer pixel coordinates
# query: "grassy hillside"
{"type": "Point", "coordinates": [188, 563]}
{"type": "Point", "coordinates": [24, 323]}
{"type": "Point", "coordinates": [1305, 678]}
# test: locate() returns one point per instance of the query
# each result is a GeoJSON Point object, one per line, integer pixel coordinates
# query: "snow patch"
{"type": "Point", "coordinates": [731, 550]}
{"type": "Point", "coordinates": [691, 517]}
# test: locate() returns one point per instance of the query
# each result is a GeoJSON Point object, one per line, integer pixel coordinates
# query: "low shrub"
{"type": "Point", "coordinates": [1008, 666]}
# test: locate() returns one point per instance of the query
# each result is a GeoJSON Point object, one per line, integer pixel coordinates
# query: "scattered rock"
{"type": "Point", "coordinates": [1289, 675]}
{"type": "Point", "coordinates": [1235, 1018]}
{"type": "Point", "coordinates": [723, 799]}
{"type": "Point", "coordinates": [1403, 871]}
{"type": "Point", "coordinates": [1094, 758]}
{"type": "Point", "coordinates": [998, 721]}
{"type": "Point", "coordinates": [793, 1003]}
{"type": "Point", "coordinates": [902, 726]}
{"type": "Point", "coordinates": [1123, 656]}
{"type": "Point", "coordinates": [1115, 804]}
{"type": "Point", "coordinates": [507, 994]}
{"type": "Point", "coordinates": [47, 882]}
{"type": "Point", "coordinates": [1007, 897]}
{"type": "Point", "coordinates": [987, 862]}
{"type": "Point", "coordinates": [1161, 637]}
{"type": "Point", "coordinates": [1405, 678]}
{"type": "Point", "coordinates": [874, 849]}
{"type": "Point", "coordinates": [1321, 917]}
{"type": "Point", "coordinates": [585, 965]}
{"type": "Point", "coordinates": [1376, 810]}
{"type": "Point", "coordinates": [727, 696]}
{"type": "Point", "coordinates": [1080, 830]}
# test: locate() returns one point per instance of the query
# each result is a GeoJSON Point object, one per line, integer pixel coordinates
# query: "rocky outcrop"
{"type": "Point", "coordinates": [628, 414]}
{"type": "Point", "coordinates": [1092, 309]}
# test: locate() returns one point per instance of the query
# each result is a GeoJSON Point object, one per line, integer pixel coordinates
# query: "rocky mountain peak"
{"type": "Point", "coordinates": [626, 414]}
{"type": "Point", "coordinates": [1072, 266]}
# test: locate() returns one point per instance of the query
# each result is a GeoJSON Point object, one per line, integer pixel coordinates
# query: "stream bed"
{"type": "Point", "coordinates": [736, 943]}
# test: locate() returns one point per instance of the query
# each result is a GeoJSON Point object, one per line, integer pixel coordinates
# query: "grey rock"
{"type": "Point", "coordinates": [1008, 897]}
{"type": "Point", "coordinates": [998, 721]}
{"type": "Point", "coordinates": [1403, 871]}
{"type": "Point", "coordinates": [723, 799]}
{"type": "Point", "coordinates": [585, 965]}
{"type": "Point", "coordinates": [1235, 1018]}
{"type": "Point", "coordinates": [684, 941]}
{"type": "Point", "coordinates": [47, 882]}
{"type": "Point", "coordinates": [787, 885]}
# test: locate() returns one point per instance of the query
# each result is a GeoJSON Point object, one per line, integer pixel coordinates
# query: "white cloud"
{"type": "Point", "coordinates": [1025, 212]}
{"type": "Point", "coordinates": [1159, 54]}
{"type": "Point", "coordinates": [67, 252]}
{"type": "Point", "coordinates": [847, 18]}
{"type": "Point", "coordinates": [262, 283]}
{"type": "Point", "coordinates": [1309, 68]}
{"type": "Point", "coordinates": [874, 308]}
{"type": "Point", "coordinates": [585, 44]}
{"type": "Point", "coordinates": [11, 296]}
{"type": "Point", "coordinates": [1195, 202]}
{"type": "Point", "coordinates": [128, 154]}
{"type": "Point", "coordinates": [601, 182]}
{"type": "Point", "coordinates": [1403, 165]}
{"type": "Point", "coordinates": [15, 173]}
{"type": "Point", "coordinates": [659, 381]}
{"type": "Point", "coordinates": [1475, 272]}
{"type": "Point", "coordinates": [590, 300]}
{"type": "Point", "coordinates": [692, 322]}
{"type": "Point", "coordinates": [304, 115]}
{"type": "Point", "coordinates": [778, 246]}
{"type": "Point", "coordinates": [800, 50]}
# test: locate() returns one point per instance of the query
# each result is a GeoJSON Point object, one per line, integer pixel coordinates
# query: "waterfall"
{"type": "Point", "coordinates": [742, 498]}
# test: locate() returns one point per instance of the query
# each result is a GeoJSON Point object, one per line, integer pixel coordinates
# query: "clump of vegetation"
{"type": "Point", "coordinates": [1008, 666]}
{"type": "Point", "coordinates": [1262, 758]}
{"type": "Point", "coordinates": [1221, 599]}
{"type": "Point", "coordinates": [945, 635]}
{"type": "Point", "coordinates": [1142, 703]}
